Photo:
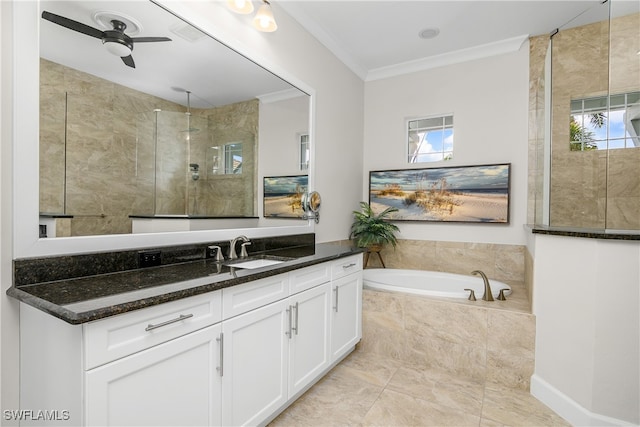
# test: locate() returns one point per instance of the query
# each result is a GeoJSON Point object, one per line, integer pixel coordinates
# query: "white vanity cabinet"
{"type": "Point", "coordinates": [254, 365]}
{"type": "Point", "coordinates": [154, 366]}
{"type": "Point", "coordinates": [175, 383]}
{"type": "Point", "coordinates": [275, 351]}
{"type": "Point", "coordinates": [346, 306]}
{"type": "Point", "coordinates": [236, 356]}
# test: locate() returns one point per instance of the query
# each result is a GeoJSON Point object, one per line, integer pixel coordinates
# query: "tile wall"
{"type": "Point", "coordinates": [485, 341]}
{"type": "Point", "coordinates": [97, 154]}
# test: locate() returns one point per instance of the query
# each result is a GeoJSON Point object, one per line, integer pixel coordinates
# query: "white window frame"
{"type": "Point", "coordinates": [304, 147]}
{"type": "Point", "coordinates": [414, 157]}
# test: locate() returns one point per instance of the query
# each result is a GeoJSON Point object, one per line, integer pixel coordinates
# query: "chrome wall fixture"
{"type": "Point", "coordinates": [311, 205]}
{"type": "Point", "coordinates": [263, 19]}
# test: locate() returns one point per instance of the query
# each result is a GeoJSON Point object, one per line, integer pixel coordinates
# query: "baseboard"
{"type": "Point", "coordinates": [567, 408]}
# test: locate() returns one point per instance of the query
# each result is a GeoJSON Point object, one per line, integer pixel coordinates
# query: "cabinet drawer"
{"type": "Point", "coordinates": [248, 296]}
{"type": "Point", "coordinates": [345, 266]}
{"type": "Point", "coordinates": [110, 339]}
{"type": "Point", "coordinates": [308, 277]}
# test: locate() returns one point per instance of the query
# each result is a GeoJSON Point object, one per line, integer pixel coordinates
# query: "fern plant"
{"type": "Point", "coordinates": [369, 229]}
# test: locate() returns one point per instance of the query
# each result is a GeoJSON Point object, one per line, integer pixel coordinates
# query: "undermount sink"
{"type": "Point", "coordinates": [258, 261]}
{"type": "Point", "coordinates": [255, 263]}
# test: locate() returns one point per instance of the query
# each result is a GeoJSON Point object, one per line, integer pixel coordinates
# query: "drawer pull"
{"type": "Point", "coordinates": [349, 265]}
{"type": "Point", "coordinates": [182, 317]}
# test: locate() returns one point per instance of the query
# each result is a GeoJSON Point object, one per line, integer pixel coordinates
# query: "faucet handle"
{"type": "Point", "coordinates": [501, 296]}
{"type": "Point", "coordinates": [243, 249]}
{"type": "Point", "coordinates": [218, 256]}
{"type": "Point", "coordinates": [472, 294]}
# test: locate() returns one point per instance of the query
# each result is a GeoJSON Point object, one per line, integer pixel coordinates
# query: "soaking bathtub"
{"type": "Point", "coordinates": [429, 283]}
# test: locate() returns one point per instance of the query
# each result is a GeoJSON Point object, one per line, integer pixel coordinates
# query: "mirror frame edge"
{"type": "Point", "coordinates": [25, 187]}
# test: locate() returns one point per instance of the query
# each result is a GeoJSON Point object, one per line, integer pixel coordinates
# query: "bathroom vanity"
{"type": "Point", "coordinates": [243, 346]}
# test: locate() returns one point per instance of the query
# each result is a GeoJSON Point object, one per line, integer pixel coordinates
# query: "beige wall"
{"type": "Point", "coordinates": [496, 84]}
{"type": "Point", "coordinates": [592, 189]}
{"type": "Point", "coordinates": [110, 174]}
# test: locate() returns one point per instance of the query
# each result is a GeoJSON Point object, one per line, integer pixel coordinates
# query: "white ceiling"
{"type": "Point", "coordinates": [379, 38]}
{"type": "Point", "coordinates": [192, 61]}
{"type": "Point", "coordinates": [374, 38]}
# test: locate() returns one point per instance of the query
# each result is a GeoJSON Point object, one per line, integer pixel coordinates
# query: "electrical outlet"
{"type": "Point", "coordinates": [149, 259]}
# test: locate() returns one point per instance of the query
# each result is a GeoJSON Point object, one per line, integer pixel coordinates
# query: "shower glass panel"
{"type": "Point", "coordinates": [180, 167]}
{"type": "Point", "coordinates": [594, 170]}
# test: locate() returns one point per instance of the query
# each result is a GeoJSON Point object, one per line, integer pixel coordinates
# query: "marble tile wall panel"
{"type": "Point", "coordinates": [471, 340]}
{"type": "Point", "coordinates": [537, 53]}
{"type": "Point", "coordinates": [588, 61]}
{"type": "Point", "coordinates": [110, 147]}
{"type": "Point", "coordinates": [500, 262]}
{"type": "Point", "coordinates": [528, 274]}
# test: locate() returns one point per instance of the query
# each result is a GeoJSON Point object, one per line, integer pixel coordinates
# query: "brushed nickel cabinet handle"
{"type": "Point", "coordinates": [335, 307]}
{"type": "Point", "coordinates": [296, 318]}
{"type": "Point", "coordinates": [182, 317]}
{"type": "Point", "coordinates": [220, 368]}
{"type": "Point", "coordinates": [288, 333]}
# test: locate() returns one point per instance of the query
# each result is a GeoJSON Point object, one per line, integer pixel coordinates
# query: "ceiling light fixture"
{"type": "Point", "coordinates": [264, 20]}
{"type": "Point", "coordinates": [429, 33]}
{"type": "Point", "coordinates": [243, 7]}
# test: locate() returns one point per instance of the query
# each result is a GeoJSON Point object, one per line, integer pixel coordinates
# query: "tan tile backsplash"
{"type": "Point", "coordinates": [499, 262]}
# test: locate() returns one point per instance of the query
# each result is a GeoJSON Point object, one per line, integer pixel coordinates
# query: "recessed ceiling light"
{"type": "Point", "coordinates": [429, 33]}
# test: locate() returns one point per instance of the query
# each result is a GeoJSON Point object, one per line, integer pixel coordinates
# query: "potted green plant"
{"type": "Point", "coordinates": [370, 230]}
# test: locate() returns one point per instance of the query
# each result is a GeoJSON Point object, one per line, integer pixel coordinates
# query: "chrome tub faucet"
{"type": "Point", "coordinates": [488, 296]}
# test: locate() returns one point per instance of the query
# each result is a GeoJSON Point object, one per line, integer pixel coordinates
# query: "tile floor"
{"type": "Point", "coordinates": [368, 390]}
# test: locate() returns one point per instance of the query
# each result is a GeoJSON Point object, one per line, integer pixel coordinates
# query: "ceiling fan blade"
{"type": "Point", "coordinates": [72, 25]}
{"type": "Point", "coordinates": [128, 60]}
{"type": "Point", "coordinates": [150, 39]}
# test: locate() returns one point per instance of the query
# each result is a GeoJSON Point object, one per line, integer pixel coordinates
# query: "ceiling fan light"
{"type": "Point", "coordinates": [243, 7]}
{"type": "Point", "coordinates": [264, 20]}
{"type": "Point", "coordinates": [117, 49]}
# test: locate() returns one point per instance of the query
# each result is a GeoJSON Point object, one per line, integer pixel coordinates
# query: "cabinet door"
{"type": "Point", "coordinates": [176, 383]}
{"type": "Point", "coordinates": [254, 369]}
{"type": "Point", "coordinates": [309, 343]}
{"type": "Point", "coordinates": [346, 314]}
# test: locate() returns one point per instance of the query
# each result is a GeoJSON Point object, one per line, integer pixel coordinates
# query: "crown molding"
{"type": "Point", "coordinates": [455, 57]}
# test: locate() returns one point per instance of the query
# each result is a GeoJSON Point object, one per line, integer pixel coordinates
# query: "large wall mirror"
{"type": "Point", "coordinates": [169, 130]}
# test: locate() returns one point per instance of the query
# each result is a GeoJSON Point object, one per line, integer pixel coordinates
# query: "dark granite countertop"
{"type": "Point", "coordinates": [84, 299]}
{"type": "Point", "coordinates": [585, 232]}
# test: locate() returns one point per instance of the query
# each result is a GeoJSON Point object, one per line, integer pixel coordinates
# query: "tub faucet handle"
{"type": "Point", "coordinates": [472, 294]}
{"type": "Point", "coordinates": [501, 296]}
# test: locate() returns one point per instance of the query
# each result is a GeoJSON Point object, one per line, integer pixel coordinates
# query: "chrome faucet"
{"type": "Point", "coordinates": [488, 296]}
{"type": "Point", "coordinates": [232, 247]}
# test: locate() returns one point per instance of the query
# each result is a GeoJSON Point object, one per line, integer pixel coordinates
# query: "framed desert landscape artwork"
{"type": "Point", "coordinates": [446, 194]}
{"type": "Point", "coordinates": [283, 196]}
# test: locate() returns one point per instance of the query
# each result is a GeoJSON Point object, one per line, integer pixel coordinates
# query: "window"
{"type": "Point", "coordinates": [603, 122]}
{"type": "Point", "coordinates": [430, 139]}
{"type": "Point", "coordinates": [233, 158]}
{"type": "Point", "coordinates": [303, 144]}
